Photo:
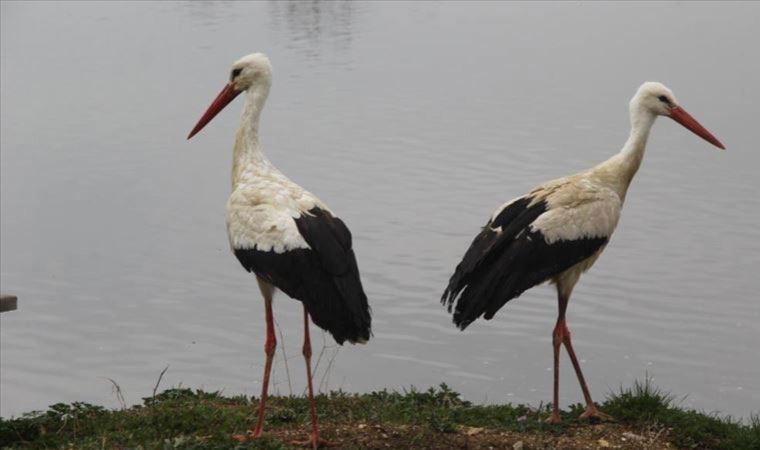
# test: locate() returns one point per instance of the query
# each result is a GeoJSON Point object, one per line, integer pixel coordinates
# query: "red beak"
{"type": "Point", "coordinates": [223, 99]}
{"type": "Point", "coordinates": [681, 116]}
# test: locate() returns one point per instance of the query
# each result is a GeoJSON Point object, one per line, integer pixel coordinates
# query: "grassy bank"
{"type": "Point", "coordinates": [434, 419]}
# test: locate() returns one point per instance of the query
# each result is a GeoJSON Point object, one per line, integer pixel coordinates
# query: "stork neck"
{"type": "Point", "coordinates": [248, 154]}
{"type": "Point", "coordinates": [634, 148]}
{"type": "Point", "coordinates": [627, 162]}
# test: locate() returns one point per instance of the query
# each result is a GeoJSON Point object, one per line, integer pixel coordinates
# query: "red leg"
{"type": "Point", "coordinates": [561, 336]}
{"type": "Point", "coordinates": [269, 347]}
{"type": "Point", "coordinates": [307, 357]}
{"type": "Point", "coordinates": [556, 343]}
{"type": "Point", "coordinates": [591, 410]}
{"type": "Point", "coordinates": [558, 336]}
{"type": "Point", "coordinates": [314, 440]}
{"type": "Point", "coordinates": [576, 365]}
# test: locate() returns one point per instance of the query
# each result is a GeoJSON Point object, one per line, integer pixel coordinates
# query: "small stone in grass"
{"type": "Point", "coordinates": [633, 436]}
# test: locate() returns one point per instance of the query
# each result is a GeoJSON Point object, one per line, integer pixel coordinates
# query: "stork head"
{"type": "Point", "coordinates": [251, 72]}
{"type": "Point", "coordinates": [657, 100]}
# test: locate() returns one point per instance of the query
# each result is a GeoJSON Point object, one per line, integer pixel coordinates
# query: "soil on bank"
{"type": "Point", "coordinates": [438, 418]}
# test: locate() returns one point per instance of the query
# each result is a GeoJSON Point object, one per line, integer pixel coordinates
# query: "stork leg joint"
{"type": "Point", "coordinates": [270, 345]}
{"type": "Point", "coordinates": [306, 350]}
{"type": "Point", "coordinates": [561, 333]}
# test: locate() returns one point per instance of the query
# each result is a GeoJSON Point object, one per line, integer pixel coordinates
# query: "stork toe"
{"type": "Point", "coordinates": [593, 413]}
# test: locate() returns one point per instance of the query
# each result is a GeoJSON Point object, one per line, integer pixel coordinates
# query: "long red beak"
{"type": "Point", "coordinates": [681, 116]}
{"type": "Point", "coordinates": [223, 99]}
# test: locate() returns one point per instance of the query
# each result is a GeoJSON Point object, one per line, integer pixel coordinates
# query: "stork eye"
{"type": "Point", "coordinates": [236, 72]}
{"type": "Point", "coordinates": [664, 99]}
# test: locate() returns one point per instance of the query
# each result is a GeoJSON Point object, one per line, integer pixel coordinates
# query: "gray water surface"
{"type": "Point", "coordinates": [413, 122]}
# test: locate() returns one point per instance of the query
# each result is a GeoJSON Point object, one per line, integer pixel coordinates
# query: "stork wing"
{"type": "Point", "coordinates": [318, 268]}
{"type": "Point", "coordinates": [501, 229]}
{"type": "Point", "coordinates": [329, 237]}
{"type": "Point", "coordinates": [527, 242]}
{"type": "Point", "coordinates": [330, 240]}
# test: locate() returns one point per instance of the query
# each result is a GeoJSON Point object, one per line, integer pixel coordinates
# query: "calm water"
{"type": "Point", "coordinates": [413, 121]}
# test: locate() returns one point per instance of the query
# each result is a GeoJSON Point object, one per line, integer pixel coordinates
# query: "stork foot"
{"type": "Point", "coordinates": [592, 413]}
{"type": "Point", "coordinates": [248, 436]}
{"type": "Point", "coordinates": [242, 438]}
{"type": "Point", "coordinates": [314, 442]}
{"type": "Point", "coordinates": [554, 418]}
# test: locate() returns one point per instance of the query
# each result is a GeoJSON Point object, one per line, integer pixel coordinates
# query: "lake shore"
{"type": "Point", "coordinates": [645, 418]}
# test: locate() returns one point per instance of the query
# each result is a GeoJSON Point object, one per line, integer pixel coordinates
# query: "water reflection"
{"type": "Point", "coordinates": [208, 14]}
{"type": "Point", "coordinates": [309, 26]}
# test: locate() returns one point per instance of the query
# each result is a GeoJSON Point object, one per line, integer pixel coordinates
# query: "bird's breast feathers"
{"type": "Point", "coordinates": [262, 217]}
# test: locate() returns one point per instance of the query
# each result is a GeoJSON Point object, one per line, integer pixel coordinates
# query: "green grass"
{"type": "Point", "coordinates": [644, 405]}
{"type": "Point", "coordinates": [186, 419]}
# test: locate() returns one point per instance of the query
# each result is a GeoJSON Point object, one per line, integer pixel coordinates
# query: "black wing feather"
{"type": "Point", "coordinates": [501, 265]}
{"type": "Point", "coordinates": [513, 218]}
{"type": "Point", "coordinates": [325, 277]}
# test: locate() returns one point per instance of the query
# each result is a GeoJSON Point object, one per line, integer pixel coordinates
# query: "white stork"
{"type": "Point", "coordinates": [556, 232]}
{"type": "Point", "coordinates": [286, 236]}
